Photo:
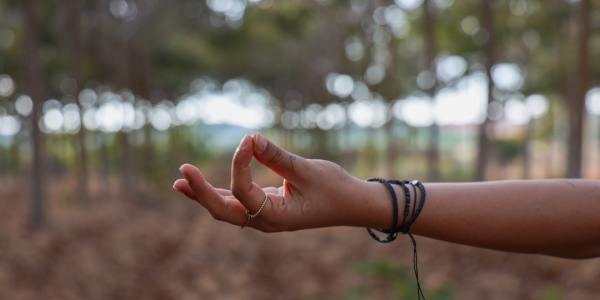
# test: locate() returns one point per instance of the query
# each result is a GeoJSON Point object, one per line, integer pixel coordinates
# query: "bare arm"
{"type": "Point", "coordinates": [556, 217]}
{"type": "Point", "coordinates": [553, 217]}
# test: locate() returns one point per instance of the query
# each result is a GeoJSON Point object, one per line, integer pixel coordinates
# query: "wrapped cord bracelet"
{"type": "Point", "coordinates": [408, 220]}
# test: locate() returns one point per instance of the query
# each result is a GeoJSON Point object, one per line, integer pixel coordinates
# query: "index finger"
{"type": "Point", "coordinates": [242, 186]}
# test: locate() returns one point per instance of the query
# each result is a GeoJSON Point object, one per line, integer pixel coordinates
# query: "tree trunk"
{"type": "Point", "coordinates": [577, 102]}
{"type": "Point", "coordinates": [102, 140]}
{"type": "Point", "coordinates": [528, 169]}
{"type": "Point", "coordinates": [433, 153]}
{"type": "Point", "coordinates": [72, 30]}
{"type": "Point", "coordinates": [528, 149]}
{"type": "Point", "coordinates": [391, 151]}
{"type": "Point", "coordinates": [16, 160]}
{"type": "Point", "coordinates": [100, 47]}
{"type": "Point", "coordinates": [36, 89]}
{"type": "Point", "coordinates": [598, 146]}
{"type": "Point", "coordinates": [128, 187]}
{"type": "Point", "coordinates": [149, 157]}
{"type": "Point", "coordinates": [486, 126]}
{"type": "Point", "coordinates": [392, 91]}
{"type": "Point", "coordinates": [122, 68]}
{"type": "Point", "coordinates": [141, 82]}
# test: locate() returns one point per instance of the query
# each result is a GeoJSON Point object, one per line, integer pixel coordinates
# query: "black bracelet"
{"type": "Point", "coordinates": [391, 233]}
{"type": "Point", "coordinates": [422, 197]}
{"type": "Point", "coordinates": [407, 201]}
{"type": "Point", "coordinates": [409, 217]}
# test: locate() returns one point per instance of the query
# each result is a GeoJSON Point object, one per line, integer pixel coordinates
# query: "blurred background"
{"type": "Point", "coordinates": [102, 100]}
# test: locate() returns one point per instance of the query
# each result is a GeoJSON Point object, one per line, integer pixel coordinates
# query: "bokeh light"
{"type": "Point", "coordinates": [593, 101]}
{"type": "Point", "coordinates": [508, 76]}
{"type": "Point", "coordinates": [9, 125]}
{"type": "Point", "coordinates": [537, 105]}
{"type": "Point", "coordinates": [450, 67]}
{"type": "Point", "coordinates": [53, 120]}
{"type": "Point", "coordinates": [470, 25]}
{"type": "Point", "coordinates": [7, 85]}
{"type": "Point", "coordinates": [409, 4]}
{"type": "Point", "coordinates": [416, 110]}
{"type": "Point", "coordinates": [24, 105]}
{"type": "Point", "coordinates": [516, 111]}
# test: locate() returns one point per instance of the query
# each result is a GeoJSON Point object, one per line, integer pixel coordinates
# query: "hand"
{"type": "Point", "coordinates": [315, 193]}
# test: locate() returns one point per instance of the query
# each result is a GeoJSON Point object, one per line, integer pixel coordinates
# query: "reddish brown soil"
{"type": "Point", "coordinates": [118, 248]}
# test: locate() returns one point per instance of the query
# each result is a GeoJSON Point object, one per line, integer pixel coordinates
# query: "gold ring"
{"type": "Point", "coordinates": [250, 216]}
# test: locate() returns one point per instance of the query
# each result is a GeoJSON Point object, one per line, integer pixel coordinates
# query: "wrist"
{"type": "Point", "coordinates": [375, 205]}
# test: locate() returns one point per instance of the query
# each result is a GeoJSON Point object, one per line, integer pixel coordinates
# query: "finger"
{"type": "Point", "coordinates": [182, 186]}
{"type": "Point", "coordinates": [271, 190]}
{"type": "Point", "coordinates": [249, 194]}
{"type": "Point", "coordinates": [284, 163]}
{"type": "Point", "coordinates": [224, 192]}
{"type": "Point", "coordinates": [220, 208]}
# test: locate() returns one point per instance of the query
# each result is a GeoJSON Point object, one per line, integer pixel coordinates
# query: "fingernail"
{"type": "Point", "coordinates": [261, 142]}
{"type": "Point", "coordinates": [185, 166]}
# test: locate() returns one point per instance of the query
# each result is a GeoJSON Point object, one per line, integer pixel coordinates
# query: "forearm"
{"type": "Point", "coordinates": [555, 217]}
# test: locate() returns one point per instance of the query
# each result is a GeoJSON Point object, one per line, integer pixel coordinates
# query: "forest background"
{"type": "Point", "coordinates": [102, 100]}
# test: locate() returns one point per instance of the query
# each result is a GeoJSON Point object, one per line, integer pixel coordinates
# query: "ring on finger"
{"type": "Point", "coordinates": [250, 216]}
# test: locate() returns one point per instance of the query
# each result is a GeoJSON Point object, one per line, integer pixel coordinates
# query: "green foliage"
{"type": "Point", "coordinates": [508, 149]}
{"type": "Point", "coordinates": [553, 293]}
{"type": "Point", "coordinates": [454, 174]}
{"type": "Point", "coordinates": [395, 278]}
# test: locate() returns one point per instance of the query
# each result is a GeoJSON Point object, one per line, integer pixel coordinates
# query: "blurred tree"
{"type": "Point", "coordinates": [36, 88]}
{"type": "Point", "coordinates": [486, 127]}
{"type": "Point", "coordinates": [156, 50]}
{"type": "Point", "coordinates": [429, 34]}
{"type": "Point", "coordinates": [392, 145]}
{"type": "Point", "coordinates": [71, 38]}
{"type": "Point", "coordinates": [576, 111]}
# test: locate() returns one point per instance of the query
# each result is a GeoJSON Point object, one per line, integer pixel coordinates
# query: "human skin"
{"type": "Point", "coordinates": [559, 217]}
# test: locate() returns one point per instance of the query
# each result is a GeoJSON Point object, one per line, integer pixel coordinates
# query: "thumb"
{"type": "Point", "coordinates": [284, 163]}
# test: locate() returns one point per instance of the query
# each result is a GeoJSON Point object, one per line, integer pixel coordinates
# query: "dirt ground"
{"type": "Point", "coordinates": [115, 248]}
